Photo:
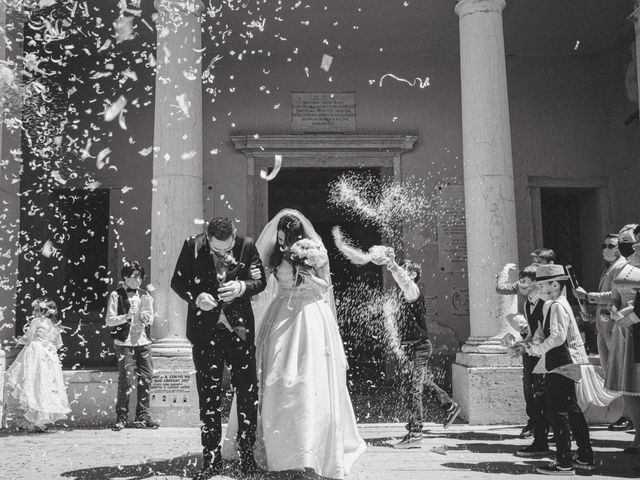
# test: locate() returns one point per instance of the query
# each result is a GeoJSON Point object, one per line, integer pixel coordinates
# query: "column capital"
{"type": "Point", "coordinates": [195, 7]}
{"type": "Point", "coordinates": [469, 7]}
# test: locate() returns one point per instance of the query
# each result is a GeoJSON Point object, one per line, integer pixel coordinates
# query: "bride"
{"type": "Point", "coordinates": [305, 417]}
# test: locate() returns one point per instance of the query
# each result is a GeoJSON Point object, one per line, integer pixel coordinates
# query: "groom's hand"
{"type": "Point", "coordinates": [206, 302]}
{"type": "Point", "coordinates": [230, 290]}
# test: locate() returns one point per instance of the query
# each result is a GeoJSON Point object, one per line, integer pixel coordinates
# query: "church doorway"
{"type": "Point", "coordinates": [570, 228]}
{"type": "Point", "coordinates": [307, 190]}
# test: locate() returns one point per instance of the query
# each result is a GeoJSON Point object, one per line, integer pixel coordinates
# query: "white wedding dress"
{"type": "Point", "coordinates": [305, 416]}
{"type": "Point", "coordinates": [35, 377]}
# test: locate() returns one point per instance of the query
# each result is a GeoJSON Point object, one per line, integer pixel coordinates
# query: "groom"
{"type": "Point", "coordinates": [212, 276]}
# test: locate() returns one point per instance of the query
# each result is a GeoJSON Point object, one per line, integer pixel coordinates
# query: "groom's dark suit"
{"type": "Point", "coordinates": [213, 343]}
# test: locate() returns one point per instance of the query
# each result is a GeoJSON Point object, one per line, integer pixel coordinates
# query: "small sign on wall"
{"type": "Point", "coordinates": [323, 112]}
{"type": "Point", "coordinates": [452, 235]}
{"type": "Point", "coordinates": [431, 306]}
{"type": "Point", "coordinates": [171, 389]}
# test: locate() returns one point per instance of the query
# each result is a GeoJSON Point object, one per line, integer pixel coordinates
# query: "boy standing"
{"type": "Point", "coordinates": [558, 344]}
{"type": "Point", "coordinates": [130, 315]}
{"type": "Point", "coordinates": [532, 383]}
{"type": "Point", "coordinates": [533, 386]}
{"type": "Point", "coordinates": [415, 339]}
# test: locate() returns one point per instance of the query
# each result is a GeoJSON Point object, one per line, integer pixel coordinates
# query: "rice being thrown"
{"type": "Point", "coordinates": [377, 254]}
{"type": "Point", "coordinates": [386, 204]}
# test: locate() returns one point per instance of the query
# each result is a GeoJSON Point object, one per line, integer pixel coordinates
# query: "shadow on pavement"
{"type": "Point", "coordinates": [184, 467]}
{"type": "Point", "coordinates": [476, 436]}
{"type": "Point", "coordinates": [497, 467]}
{"type": "Point", "coordinates": [496, 437]}
{"type": "Point", "coordinates": [529, 468]}
{"type": "Point", "coordinates": [25, 433]}
{"type": "Point", "coordinates": [381, 441]}
{"type": "Point", "coordinates": [611, 464]}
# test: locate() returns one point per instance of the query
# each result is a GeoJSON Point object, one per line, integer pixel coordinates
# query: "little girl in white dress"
{"type": "Point", "coordinates": [35, 378]}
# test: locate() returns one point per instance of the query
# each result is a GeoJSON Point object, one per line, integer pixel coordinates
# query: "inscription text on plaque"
{"type": "Point", "coordinates": [323, 112]}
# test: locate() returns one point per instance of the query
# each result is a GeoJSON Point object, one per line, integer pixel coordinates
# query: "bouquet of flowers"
{"type": "Point", "coordinates": [308, 253]}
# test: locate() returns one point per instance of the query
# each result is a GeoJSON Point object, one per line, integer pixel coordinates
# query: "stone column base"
{"type": "Point", "coordinates": [174, 396]}
{"type": "Point", "coordinates": [488, 387]}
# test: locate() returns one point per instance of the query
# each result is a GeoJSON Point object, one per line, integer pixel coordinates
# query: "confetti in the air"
{"type": "Point", "coordinates": [103, 158]}
{"type": "Point", "coordinates": [420, 82]}
{"type": "Point", "coordinates": [123, 29]}
{"type": "Point", "coordinates": [326, 62]}
{"type": "Point", "coordinates": [276, 168]}
{"type": "Point", "coordinates": [47, 249]}
{"type": "Point", "coordinates": [183, 104]}
{"type": "Point", "coordinates": [115, 108]}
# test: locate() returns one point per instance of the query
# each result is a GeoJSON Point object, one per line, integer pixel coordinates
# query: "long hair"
{"type": "Point", "coordinates": [293, 231]}
{"type": "Point", "coordinates": [47, 307]}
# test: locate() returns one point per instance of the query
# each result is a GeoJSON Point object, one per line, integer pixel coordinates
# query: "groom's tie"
{"type": "Point", "coordinates": [222, 319]}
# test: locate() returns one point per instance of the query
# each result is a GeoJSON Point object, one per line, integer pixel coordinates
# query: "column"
{"type": "Point", "coordinates": [177, 161]}
{"type": "Point", "coordinates": [177, 200]}
{"type": "Point", "coordinates": [635, 16]}
{"type": "Point", "coordinates": [486, 381]}
{"type": "Point", "coordinates": [11, 49]}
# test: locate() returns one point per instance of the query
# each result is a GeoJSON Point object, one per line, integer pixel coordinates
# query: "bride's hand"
{"type": "Point", "coordinates": [305, 270]}
{"type": "Point", "coordinates": [255, 273]}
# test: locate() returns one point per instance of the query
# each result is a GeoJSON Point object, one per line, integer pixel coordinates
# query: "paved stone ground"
{"type": "Point", "coordinates": [172, 453]}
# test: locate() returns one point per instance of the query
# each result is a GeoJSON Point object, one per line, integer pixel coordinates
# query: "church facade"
{"type": "Point", "coordinates": [522, 114]}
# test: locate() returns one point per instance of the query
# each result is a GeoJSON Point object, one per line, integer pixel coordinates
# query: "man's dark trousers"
{"type": "Point", "coordinates": [209, 360]}
{"type": "Point", "coordinates": [566, 417]}
{"type": "Point", "coordinates": [533, 387]}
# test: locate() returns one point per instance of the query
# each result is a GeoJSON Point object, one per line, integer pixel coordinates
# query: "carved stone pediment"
{"type": "Point", "coordinates": [312, 144]}
{"type": "Point", "coordinates": [318, 150]}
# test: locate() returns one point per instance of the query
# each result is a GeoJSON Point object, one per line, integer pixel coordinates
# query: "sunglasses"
{"type": "Point", "coordinates": [610, 246]}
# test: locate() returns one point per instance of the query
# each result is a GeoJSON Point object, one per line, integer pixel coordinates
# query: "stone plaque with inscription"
{"type": "Point", "coordinates": [323, 113]}
{"type": "Point", "coordinates": [452, 237]}
{"type": "Point", "coordinates": [431, 306]}
{"type": "Point", "coordinates": [171, 389]}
